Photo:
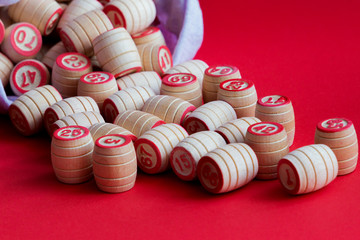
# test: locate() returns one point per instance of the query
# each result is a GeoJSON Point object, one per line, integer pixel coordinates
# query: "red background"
{"type": "Point", "coordinates": [307, 50]}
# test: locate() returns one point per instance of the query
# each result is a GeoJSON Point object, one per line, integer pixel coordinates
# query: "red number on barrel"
{"type": "Point", "coordinates": [183, 162]}
{"type": "Point", "coordinates": [110, 140]}
{"type": "Point", "coordinates": [31, 75]}
{"type": "Point", "coordinates": [21, 36]}
{"type": "Point", "coordinates": [145, 157]}
{"type": "Point", "coordinates": [264, 129]}
{"type": "Point", "coordinates": [212, 177]}
{"type": "Point", "coordinates": [335, 123]}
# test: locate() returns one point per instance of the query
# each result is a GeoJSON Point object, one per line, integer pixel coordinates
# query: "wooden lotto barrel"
{"type": "Point", "coordinates": [168, 108]}
{"type": "Point", "coordinates": [43, 14]}
{"type": "Point", "coordinates": [27, 111]}
{"type": "Point", "coordinates": [133, 15]}
{"type": "Point", "coordinates": [277, 108]}
{"type": "Point", "coordinates": [146, 79]}
{"type": "Point", "coordinates": [235, 130]}
{"type": "Point", "coordinates": [98, 130]}
{"type": "Point", "coordinates": [307, 169]}
{"type": "Point", "coordinates": [269, 142]}
{"type": "Point", "coordinates": [97, 85]}
{"type": "Point", "coordinates": [67, 107]}
{"type": "Point", "coordinates": [153, 148]}
{"type": "Point", "coordinates": [339, 134]}
{"type": "Point", "coordinates": [150, 35]}
{"type": "Point", "coordinates": [28, 75]}
{"type": "Point", "coordinates": [209, 116]}
{"type": "Point", "coordinates": [85, 119]}
{"type": "Point", "coordinates": [137, 122]}
{"type": "Point", "coordinates": [114, 163]}
{"type": "Point", "coordinates": [77, 8]}
{"type": "Point", "coordinates": [117, 53]}
{"type": "Point", "coordinates": [132, 98]}
{"type": "Point", "coordinates": [71, 154]}
{"type": "Point", "coordinates": [187, 153]}
{"type": "Point", "coordinates": [67, 71]}
{"type": "Point", "coordinates": [213, 76]}
{"type": "Point", "coordinates": [6, 67]}
{"type": "Point", "coordinates": [184, 86]}
{"type": "Point", "coordinates": [240, 94]}
{"type": "Point", "coordinates": [155, 58]}
{"type": "Point", "coordinates": [79, 34]}
{"type": "Point", "coordinates": [227, 168]}
{"type": "Point", "coordinates": [196, 67]}
{"type": "Point", "coordinates": [50, 56]}
{"type": "Point", "coordinates": [21, 41]}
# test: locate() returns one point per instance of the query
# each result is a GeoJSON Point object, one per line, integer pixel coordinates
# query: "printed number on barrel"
{"type": "Point", "coordinates": [32, 76]}
{"type": "Point", "coordinates": [183, 162]}
{"type": "Point", "coordinates": [264, 129]}
{"type": "Point", "coordinates": [275, 101]}
{"type": "Point", "coordinates": [112, 141]}
{"type": "Point", "coordinates": [145, 157]}
{"type": "Point", "coordinates": [335, 123]}
{"type": "Point", "coordinates": [210, 176]}
{"type": "Point", "coordinates": [194, 126]}
{"type": "Point", "coordinates": [20, 38]}
{"type": "Point", "coordinates": [95, 77]}
{"type": "Point", "coordinates": [70, 133]}
{"type": "Point", "coordinates": [18, 120]}
{"type": "Point", "coordinates": [165, 62]}
{"type": "Point", "coordinates": [220, 70]}
{"type": "Point", "coordinates": [180, 79]}
{"type": "Point", "coordinates": [235, 85]}
{"type": "Point", "coordinates": [74, 61]}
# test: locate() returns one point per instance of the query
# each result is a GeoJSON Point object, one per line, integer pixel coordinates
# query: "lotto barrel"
{"type": "Point", "coordinates": [153, 148]}
{"type": "Point", "coordinates": [98, 130]}
{"type": "Point", "coordinates": [240, 94]}
{"type": "Point", "coordinates": [168, 108]}
{"type": "Point", "coordinates": [21, 41]}
{"type": "Point", "coordinates": [43, 14]}
{"type": "Point", "coordinates": [235, 130]}
{"type": "Point", "coordinates": [132, 98]}
{"type": "Point", "coordinates": [5, 69]}
{"type": "Point", "coordinates": [133, 15]}
{"type": "Point", "coordinates": [184, 86]}
{"type": "Point", "coordinates": [269, 142]}
{"type": "Point", "coordinates": [67, 107]}
{"type": "Point", "coordinates": [97, 85]}
{"type": "Point", "coordinates": [227, 168]}
{"type": "Point", "coordinates": [79, 34]}
{"type": "Point", "coordinates": [196, 67]}
{"type": "Point", "coordinates": [213, 76]}
{"type": "Point", "coordinates": [117, 53]}
{"type": "Point", "coordinates": [209, 116]}
{"type": "Point", "coordinates": [114, 164]}
{"type": "Point", "coordinates": [137, 122]}
{"type": "Point", "coordinates": [85, 119]}
{"type": "Point", "coordinates": [277, 108]}
{"type": "Point", "coordinates": [146, 79]}
{"type": "Point", "coordinates": [339, 134]}
{"type": "Point", "coordinates": [71, 154]}
{"type": "Point", "coordinates": [187, 153]}
{"type": "Point", "coordinates": [28, 75]}
{"type": "Point", "coordinates": [307, 169]}
{"type": "Point", "coordinates": [27, 111]}
{"type": "Point", "coordinates": [67, 71]}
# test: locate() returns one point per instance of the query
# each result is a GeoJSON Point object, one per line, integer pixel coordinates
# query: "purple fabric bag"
{"type": "Point", "coordinates": [181, 22]}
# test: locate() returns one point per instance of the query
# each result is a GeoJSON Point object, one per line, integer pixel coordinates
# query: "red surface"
{"type": "Point", "coordinates": [308, 50]}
